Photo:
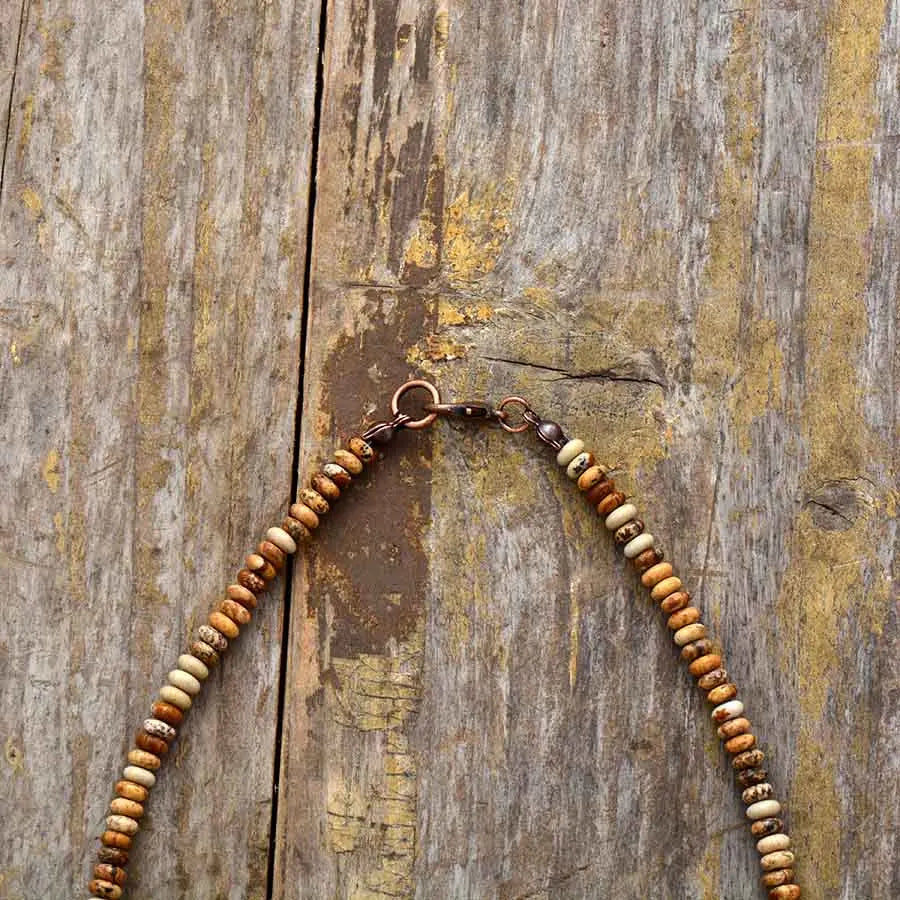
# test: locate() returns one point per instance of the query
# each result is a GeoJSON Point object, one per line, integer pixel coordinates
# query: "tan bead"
{"type": "Point", "coordinates": [238, 614]}
{"type": "Point", "coordinates": [116, 839]}
{"type": "Point", "coordinates": [184, 681]}
{"type": "Point", "coordinates": [762, 827]}
{"type": "Point", "coordinates": [251, 581]}
{"type": "Point", "coordinates": [712, 679]}
{"type": "Point", "coordinates": [214, 638]}
{"type": "Point", "coordinates": [733, 728]}
{"type": "Point", "coordinates": [785, 892]}
{"type": "Point", "coordinates": [656, 573]}
{"type": "Point", "coordinates": [140, 775]}
{"type": "Point", "coordinates": [272, 553]}
{"type": "Point", "coordinates": [696, 649]}
{"type": "Point", "coordinates": [305, 514]}
{"type": "Point", "coordinates": [722, 694]}
{"type": "Point", "coordinates": [125, 824]}
{"type": "Point", "coordinates": [348, 461]}
{"type": "Point", "coordinates": [130, 790]}
{"type": "Point", "coordinates": [222, 623]}
{"type": "Point", "coordinates": [780, 859]}
{"type": "Point", "coordinates": [144, 759]}
{"type": "Point", "coordinates": [740, 743]}
{"type": "Point", "coordinates": [106, 889]}
{"type": "Point", "coordinates": [325, 486]}
{"type": "Point", "coordinates": [242, 595]}
{"type": "Point", "coordinates": [360, 449]}
{"type": "Point", "coordinates": [772, 843]}
{"type": "Point", "coordinates": [591, 478]}
{"type": "Point", "coordinates": [610, 502]}
{"type": "Point", "coordinates": [705, 664]}
{"type": "Point", "coordinates": [106, 872]}
{"type": "Point", "coordinates": [314, 500]}
{"type": "Point", "coordinates": [662, 589]}
{"type": "Point", "coordinates": [122, 807]}
{"type": "Point", "coordinates": [193, 666]}
{"type": "Point", "coordinates": [646, 560]}
{"type": "Point", "coordinates": [675, 601]}
{"type": "Point", "coordinates": [177, 697]}
{"type": "Point", "coordinates": [683, 617]}
{"type": "Point", "coordinates": [338, 474]}
{"type": "Point", "coordinates": [777, 877]}
{"type": "Point", "coordinates": [296, 530]}
{"type": "Point", "coordinates": [204, 653]}
{"type": "Point", "coordinates": [749, 759]}
{"type": "Point", "coordinates": [260, 566]}
{"type": "Point", "coordinates": [112, 856]}
{"type": "Point", "coordinates": [689, 634]}
{"type": "Point", "coordinates": [151, 743]}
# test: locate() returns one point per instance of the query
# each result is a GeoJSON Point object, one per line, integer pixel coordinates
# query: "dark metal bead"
{"type": "Point", "coordinates": [551, 433]}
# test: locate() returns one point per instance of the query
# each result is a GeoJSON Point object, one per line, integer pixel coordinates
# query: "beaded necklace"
{"type": "Point", "coordinates": [698, 649]}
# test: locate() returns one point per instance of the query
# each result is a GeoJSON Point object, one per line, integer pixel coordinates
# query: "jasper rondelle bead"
{"type": "Point", "coordinates": [656, 573]}
{"type": "Point", "coordinates": [205, 654]}
{"type": "Point", "coordinates": [281, 541]}
{"type": "Point", "coordinates": [763, 827]}
{"type": "Point", "coordinates": [112, 856]}
{"type": "Point", "coordinates": [150, 743]}
{"type": "Point", "coordinates": [125, 824]}
{"type": "Point", "coordinates": [296, 530]}
{"type": "Point", "coordinates": [733, 728]}
{"type": "Point", "coordinates": [609, 503]}
{"type": "Point", "coordinates": [105, 889]}
{"type": "Point", "coordinates": [740, 743]}
{"type": "Point", "coordinates": [338, 474]}
{"type": "Point", "coordinates": [712, 679]}
{"type": "Point", "coordinates": [687, 616]}
{"type": "Point", "coordinates": [705, 664]}
{"type": "Point", "coordinates": [675, 601]}
{"type": "Point", "coordinates": [224, 625]}
{"type": "Point", "coordinates": [696, 649]}
{"type": "Point", "coordinates": [238, 614]}
{"type": "Point", "coordinates": [314, 500]}
{"type": "Point", "coordinates": [569, 451]}
{"type": "Point", "coordinates": [347, 460]}
{"type": "Point", "coordinates": [251, 581]}
{"type": "Point", "coordinates": [749, 759]}
{"type": "Point", "coordinates": [242, 595]}
{"type": "Point", "coordinates": [780, 859]}
{"type": "Point", "coordinates": [646, 560]}
{"type": "Point", "coordinates": [140, 775]}
{"type": "Point", "coordinates": [578, 466]}
{"type": "Point", "coordinates": [260, 566]}
{"type": "Point", "coordinates": [272, 553]}
{"type": "Point", "coordinates": [785, 892]}
{"type": "Point", "coordinates": [116, 839]}
{"type": "Point", "coordinates": [776, 877]}
{"type": "Point", "coordinates": [757, 792]}
{"type": "Point", "coordinates": [721, 694]}
{"type": "Point", "coordinates": [628, 531]}
{"type": "Point", "coordinates": [193, 666]}
{"type": "Point", "coordinates": [749, 777]}
{"type": "Point", "coordinates": [591, 478]}
{"type": "Point", "coordinates": [184, 681]}
{"type": "Point", "coordinates": [167, 713]}
{"type": "Point", "coordinates": [772, 843]}
{"type": "Point", "coordinates": [689, 633]}
{"type": "Point", "coordinates": [763, 809]}
{"type": "Point", "coordinates": [213, 638]}
{"type": "Point", "coordinates": [619, 516]}
{"type": "Point", "coordinates": [325, 486]}
{"type": "Point", "coordinates": [360, 449]}
{"type": "Point", "coordinates": [305, 514]}
{"type": "Point", "coordinates": [132, 791]}
{"type": "Point", "coordinates": [115, 874]}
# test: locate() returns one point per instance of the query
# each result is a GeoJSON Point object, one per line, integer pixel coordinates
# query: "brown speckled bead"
{"type": "Point", "coordinates": [360, 449]}
{"type": "Point", "coordinates": [112, 856]}
{"type": "Point", "coordinates": [749, 759]}
{"type": "Point", "coordinates": [733, 728]}
{"type": "Point", "coordinates": [251, 581]}
{"type": "Point", "coordinates": [314, 500]}
{"type": "Point", "coordinates": [722, 694]}
{"type": "Point", "coordinates": [116, 839]}
{"type": "Point", "coordinates": [657, 573]}
{"type": "Point", "coordinates": [647, 559]}
{"type": "Point", "coordinates": [338, 474]}
{"type": "Point", "coordinates": [242, 595]}
{"type": "Point", "coordinates": [780, 859]}
{"type": "Point", "coordinates": [751, 776]}
{"type": "Point", "coordinates": [764, 827]}
{"type": "Point", "coordinates": [325, 486]}
{"type": "Point", "coordinates": [100, 888]}
{"type": "Point", "coordinates": [776, 877]}
{"type": "Point", "coordinates": [610, 502]}
{"type": "Point", "coordinates": [144, 759]}
{"type": "Point", "coordinates": [273, 553]}
{"type": "Point", "coordinates": [224, 625]}
{"type": "Point", "coordinates": [346, 460]}
{"type": "Point", "coordinates": [705, 664]}
{"type": "Point", "coordinates": [675, 601]}
{"type": "Point", "coordinates": [131, 790]}
{"type": "Point", "coordinates": [296, 529]}
{"type": "Point", "coordinates": [119, 806]}
{"type": "Point", "coordinates": [696, 649]}
{"type": "Point", "coordinates": [238, 614]}
{"type": "Point", "coordinates": [686, 616]}
{"type": "Point", "coordinates": [591, 478]}
{"type": "Point", "coordinates": [599, 491]}
{"type": "Point", "coordinates": [628, 531]}
{"type": "Point", "coordinates": [305, 514]}
{"type": "Point", "coordinates": [785, 891]}
{"type": "Point", "coordinates": [205, 654]}
{"type": "Point", "coordinates": [757, 792]}
{"type": "Point", "coordinates": [213, 637]}
{"type": "Point", "coordinates": [151, 743]}
{"type": "Point", "coordinates": [106, 872]}
{"type": "Point", "coordinates": [712, 679]}
{"type": "Point", "coordinates": [740, 743]}
{"type": "Point", "coordinates": [259, 566]}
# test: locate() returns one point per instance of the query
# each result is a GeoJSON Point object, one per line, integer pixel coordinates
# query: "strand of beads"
{"type": "Point", "coordinates": [705, 663]}
{"type": "Point", "coordinates": [210, 641]}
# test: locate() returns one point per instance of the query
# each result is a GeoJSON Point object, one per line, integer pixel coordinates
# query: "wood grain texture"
{"type": "Point", "coordinates": [673, 226]}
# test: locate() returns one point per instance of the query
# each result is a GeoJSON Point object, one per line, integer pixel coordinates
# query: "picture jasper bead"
{"type": "Point", "coordinates": [259, 566]}
{"type": "Point", "coordinates": [763, 809]}
{"type": "Point", "coordinates": [224, 625]}
{"type": "Point", "coordinates": [132, 791]}
{"type": "Point", "coordinates": [242, 595]}
{"type": "Point", "coordinates": [712, 679]}
{"type": "Point", "coordinates": [105, 889]}
{"type": "Point", "coordinates": [145, 760]}
{"type": "Point", "coordinates": [762, 827]}
{"type": "Point", "coordinates": [628, 531]}
{"type": "Point", "coordinates": [106, 872]}
{"type": "Point", "coordinates": [599, 491]}
{"type": "Point", "coordinates": [686, 616]}
{"type": "Point", "coordinates": [689, 633]}
{"type": "Point", "coordinates": [346, 460]}
{"type": "Point", "coordinates": [159, 729]}
{"type": "Point", "coordinates": [773, 842]}
{"type": "Point", "coordinates": [675, 601]}
{"type": "Point", "coordinates": [112, 856]}
{"type": "Point", "coordinates": [740, 743]}
{"type": "Point", "coordinates": [569, 451]}
{"type": "Point", "coordinates": [314, 500]}
{"type": "Point", "coordinates": [733, 728]}
{"type": "Point", "coordinates": [338, 474]}
{"type": "Point", "coordinates": [619, 516]}
{"type": "Point", "coordinates": [785, 891]}
{"type": "Point", "coordinates": [297, 531]}
{"type": "Point", "coordinates": [238, 614]}
{"type": "Point", "coordinates": [610, 502]}
{"type": "Point", "coordinates": [731, 709]}
{"type": "Point", "coordinates": [578, 466]}
{"type": "Point", "coordinates": [749, 777]}
{"type": "Point", "coordinates": [121, 807]}
{"type": "Point", "coordinates": [213, 638]}
{"type": "Point", "coordinates": [776, 877]}
{"type": "Point", "coordinates": [150, 743]}
{"type": "Point", "coordinates": [780, 859]}
{"type": "Point", "coordinates": [165, 712]}
{"type": "Point", "coordinates": [125, 824]}
{"type": "Point", "coordinates": [116, 839]}
{"type": "Point", "coordinates": [646, 560]}
{"type": "Point", "coordinates": [663, 588]}
{"type": "Point", "coordinates": [205, 653]}
{"type": "Point", "coordinates": [749, 759]}
{"type": "Point", "coordinates": [591, 477]}
{"type": "Point", "coordinates": [705, 664]}
{"type": "Point", "coordinates": [656, 573]}
{"type": "Point", "coordinates": [360, 449]}
{"type": "Point", "coordinates": [696, 649]}
{"type": "Point", "coordinates": [272, 553]}
{"type": "Point", "coordinates": [305, 514]}
{"type": "Point", "coordinates": [325, 486]}
{"type": "Point", "coordinates": [251, 581]}
{"type": "Point", "coordinates": [722, 694]}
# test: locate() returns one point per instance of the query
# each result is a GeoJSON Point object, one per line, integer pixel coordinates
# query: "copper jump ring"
{"type": "Point", "coordinates": [523, 425]}
{"type": "Point", "coordinates": [405, 388]}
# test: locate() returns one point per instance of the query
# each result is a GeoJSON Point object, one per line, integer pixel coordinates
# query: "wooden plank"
{"type": "Point", "coordinates": [11, 16]}
{"type": "Point", "coordinates": [153, 260]}
{"type": "Point", "coordinates": [673, 227]}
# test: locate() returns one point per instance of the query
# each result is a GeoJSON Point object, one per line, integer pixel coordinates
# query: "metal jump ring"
{"type": "Point", "coordinates": [523, 426]}
{"type": "Point", "coordinates": [405, 388]}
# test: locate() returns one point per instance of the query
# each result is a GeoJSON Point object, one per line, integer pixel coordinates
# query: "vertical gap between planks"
{"type": "Point", "coordinates": [298, 422]}
{"type": "Point", "coordinates": [23, 15]}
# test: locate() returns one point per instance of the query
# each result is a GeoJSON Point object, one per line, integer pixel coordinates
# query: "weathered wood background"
{"type": "Point", "coordinates": [674, 225]}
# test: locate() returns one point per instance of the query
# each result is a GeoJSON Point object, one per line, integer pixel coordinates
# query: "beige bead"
{"type": "Point", "coordinates": [662, 589]}
{"type": "Point", "coordinates": [144, 759]}
{"type": "Point", "coordinates": [125, 824]}
{"type": "Point", "coordinates": [725, 711]}
{"type": "Point", "coordinates": [304, 514]}
{"type": "Point", "coordinates": [120, 806]}
{"type": "Point", "coordinates": [578, 466]}
{"type": "Point", "coordinates": [175, 696]}
{"type": "Point", "coordinates": [348, 461]}
{"type": "Point", "coordinates": [193, 666]}
{"type": "Point", "coordinates": [689, 633]}
{"type": "Point", "coordinates": [763, 809]}
{"type": "Point", "coordinates": [569, 451]}
{"type": "Point", "coordinates": [780, 859]}
{"type": "Point", "coordinates": [636, 546]}
{"type": "Point", "coordinates": [281, 539]}
{"type": "Point", "coordinates": [184, 681]}
{"type": "Point", "coordinates": [140, 776]}
{"type": "Point", "coordinates": [772, 843]}
{"type": "Point", "coordinates": [619, 516]}
{"type": "Point", "coordinates": [655, 574]}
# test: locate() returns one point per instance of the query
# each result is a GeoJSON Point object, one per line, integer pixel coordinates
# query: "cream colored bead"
{"type": "Point", "coordinates": [184, 681]}
{"type": "Point", "coordinates": [763, 809]}
{"type": "Point", "coordinates": [193, 666]}
{"type": "Point", "coordinates": [772, 843]}
{"type": "Point", "coordinates": [578, 466]}
{"type": "Point", "coordinates": [569, 451]}
{"type": "Point", "coordinates": [281, 539]}
{"type": "Point", "coordinates": [692, 632]}
{"type": "Point", "coordinates": [125, 824]}
{"type": "Point", "coordinates": [638, 545]}
{"type": "Point", "coordinates": [143, 777]}
{"type": "Point", "coordinates": [726, 711]}
{"type": "Point", "coordinates": [619, 516]}
{"type": "Point", "coordinates": [780, 859]}
{"type": "Point", "coordinates": [175, 696]}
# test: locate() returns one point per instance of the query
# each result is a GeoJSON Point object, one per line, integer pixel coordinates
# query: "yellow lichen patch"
{"type": "Point", "coordinates": [441, 33]}
{"type": "Point", "coordinates": [14, 354]}
{"type": "Point", "coordinates": [449, 314]}
{"type": "Point", "coordinates": [27, 121]}
{"type": "Point", "coordinates": [709, 873]}
{"type": "Point", "coordinates": [758, 388]}
{"type": "Point", "coordinates": [32, 202]}
{"type": "Point", "coordinates": [475, 229]}
{"type": "Point", "coordinates": [422, 248]}
{"type": "Point", "coordinates": [59, 528]}
{"type": "Point", "coordinates": [15, 756]}
{"type": "Point", "coordinates": [50, 34]}
{"type": "Point", "coordinates": [434, 348]}
{"type": "Point", "coordinates": [50, 471]}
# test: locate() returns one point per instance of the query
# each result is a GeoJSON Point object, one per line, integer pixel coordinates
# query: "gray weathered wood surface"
{"type": "Point", "coordinates": [674, 226]}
